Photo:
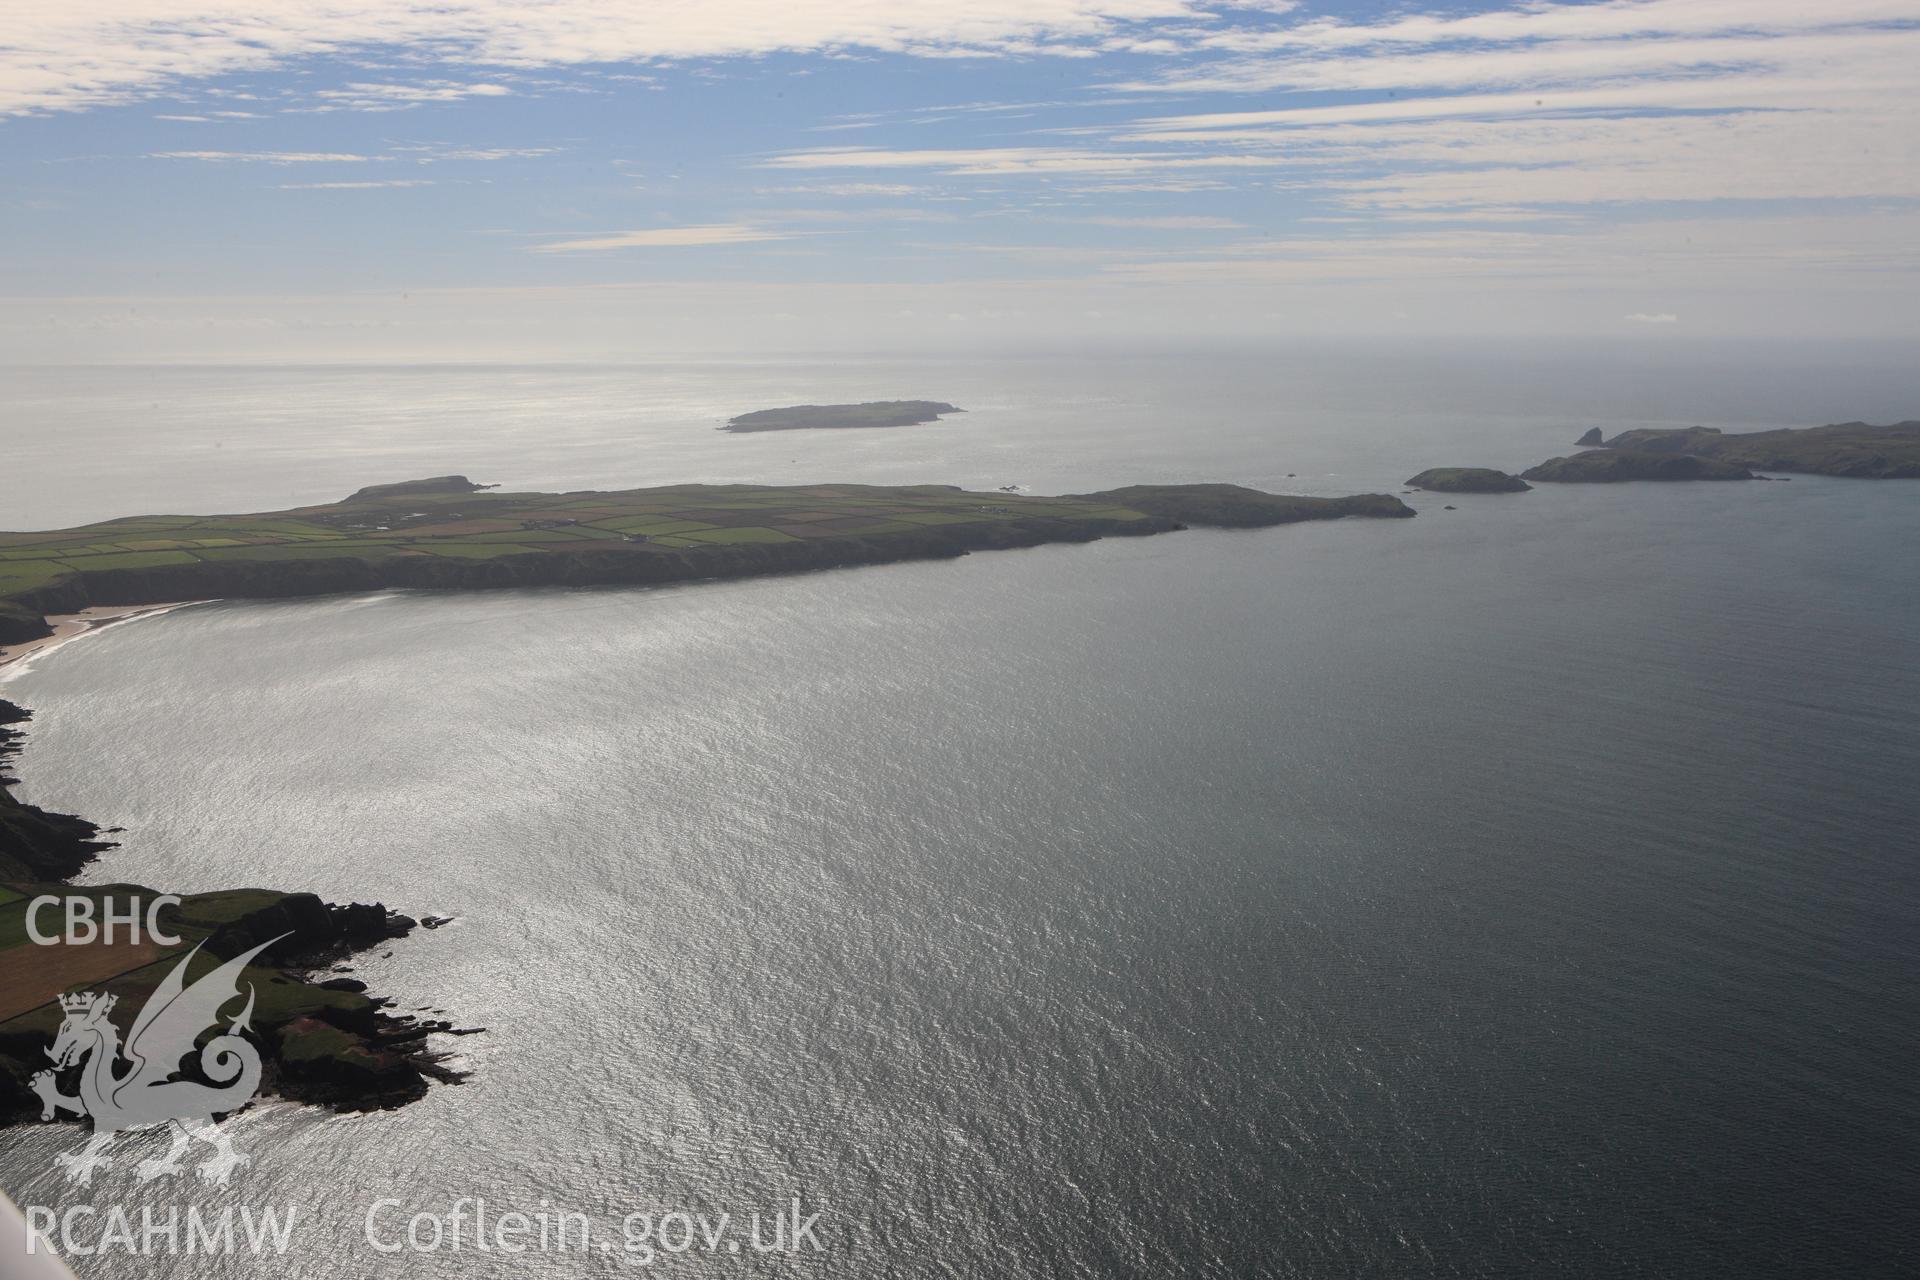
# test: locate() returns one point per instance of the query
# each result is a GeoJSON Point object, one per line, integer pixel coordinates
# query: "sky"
{"type": "Point", "coordinates": [630, 179]}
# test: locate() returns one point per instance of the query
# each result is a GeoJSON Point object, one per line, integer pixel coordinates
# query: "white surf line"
{"type": "Point", "coordinates": [16, 660]}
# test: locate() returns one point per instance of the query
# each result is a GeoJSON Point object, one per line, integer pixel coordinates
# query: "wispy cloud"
{"type": "Point", "coordinates": [1186, 222]}
{"type": "Point", "coordinates": [664, 238]}
{"type": "Point", "coordinates": [60, 57]}
{"type": "Point", "coordinates": [1015, 161]}
{"type": "Point", "coordinates": [1562, 104]}
{"type": "Point", "coordinates": [430, 155]}
{"type": "Point", "coordinates": [355, 186]}
{"type": "Point", "coordinates": [401, 97]}
{"type": "Point", "coordinates": [267, 157]}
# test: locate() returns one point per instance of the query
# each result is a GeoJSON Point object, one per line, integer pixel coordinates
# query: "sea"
{"type": "Point", "coordinates": [1529, 889]}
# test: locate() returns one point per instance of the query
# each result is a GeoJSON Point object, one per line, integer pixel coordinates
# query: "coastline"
{"type": "Point", "coordinates": [68, 627]}
{"type": "Point", "coordinates": [327, 1040]}
{"type": "Point", "coordinates": [640, 537]}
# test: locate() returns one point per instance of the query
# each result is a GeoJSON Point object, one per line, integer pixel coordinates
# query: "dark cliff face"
{"type": "Point", "coordinates": [18, 624]}
{"type": "Point", "coordinates": [1609, 466]}
{"type": "Point", "coordinates": [1591, 440]}
{"type": "Point", "coordinates": [36, 844]}
{"type": "Point", "coordinates": [1469, 480]}
{"type": "Point", "coordinates": [274, 578]}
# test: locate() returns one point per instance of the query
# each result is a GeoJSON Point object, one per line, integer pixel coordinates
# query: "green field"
{"type": "Point", "coordinates": [485, 525]}
{"type": "Point", "coordinates": [437, 531]}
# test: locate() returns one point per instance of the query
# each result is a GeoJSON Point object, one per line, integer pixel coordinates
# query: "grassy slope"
{"type": "Point", "coordinates": [1611, 466]}
{"type": "Point", "coordinates": [685, 529]}
{"type": "Point", "coordinates": [1843, 449]}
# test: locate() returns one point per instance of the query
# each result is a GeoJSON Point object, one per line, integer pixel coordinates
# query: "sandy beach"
{"type": "Point", "coordinates": [72, 626]}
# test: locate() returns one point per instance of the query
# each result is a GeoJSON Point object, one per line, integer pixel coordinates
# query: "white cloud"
{"type": "Point", "coordinates": [483, 153]}
{"type": "Point", "coordinates": [664, 238]}
{"type": "Point", "coordinates": [1012, 161]}
{"type": "Point", "coordinates": [1557, 104]}
{"type": "Point", "coordinates": [68, 56]}
{"type": "Point", "coordinates": [267, 157]}
{"type": "Point", "coordinates": [414, 154]}
{"type": "Point", "coordinates": [853, 190]}
{"type": "Point", "coordinates": [401, 97]}
{"type": "Point", "coordinates": [354, 186]}
{"type": "Point", "coordinates": [1193, 222]}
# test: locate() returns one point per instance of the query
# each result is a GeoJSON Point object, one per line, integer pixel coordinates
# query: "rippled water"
{"type": "Point", "coordinates": [1526, 889]}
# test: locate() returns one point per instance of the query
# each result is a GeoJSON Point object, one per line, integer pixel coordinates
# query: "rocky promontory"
{"type": "Point", "coordinates": [1591, 440]}
{"type": "Point", "coordinates": [321, 1040]}
{"type": "Point", "coordinates": [1609, 466]}
{"type": "Point", "coordinates": [413, 488]}
{"type": "Point", "coordinates": [36, 844]}
{"type": "Point", "coordinates": [1232, 506]}
{"type": "Point", "coordinates": [1856, 450]}
{"type": "Point", "coordinates": [1468, 480]}
{"type": "Point", "coordinates": [371, 1058]}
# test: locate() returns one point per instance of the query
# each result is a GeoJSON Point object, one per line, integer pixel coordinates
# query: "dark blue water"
{"type": "Point", "coordinates": [1528, 889]}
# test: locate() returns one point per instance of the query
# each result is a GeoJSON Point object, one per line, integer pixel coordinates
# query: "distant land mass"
{"type": "Point", "coordinates": [325, 1039]}
{"type": "Point", "coordinates": [874, 413]}
{"type": "Point", "coordinates": [1610, 466]}
{"type": "Point", "coordinates": [1468, 480]}
{"type": "Point", "coordinates": [432, 484]}
{"type": "Point", "coordinates": [1854, 449]}
{"type": "Point", "coordinates": [408, 536]}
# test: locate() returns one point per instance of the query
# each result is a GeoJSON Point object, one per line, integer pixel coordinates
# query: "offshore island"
{"type": "Point", "coordinates": [325, 1039]}
{"type": "Point", "coordinates": [872, 413]}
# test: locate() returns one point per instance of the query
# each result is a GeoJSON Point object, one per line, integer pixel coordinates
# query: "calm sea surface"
{"type": "Point", "coordinates": [1528, 889]}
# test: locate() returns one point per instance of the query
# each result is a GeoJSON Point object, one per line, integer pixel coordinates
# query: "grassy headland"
{"type": "Point", "coordinates": [371, 1058]}
{"type": "Point", "coordinates": [447, 536]}
{"type": "Point", "coordinates": [1854, 449]}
